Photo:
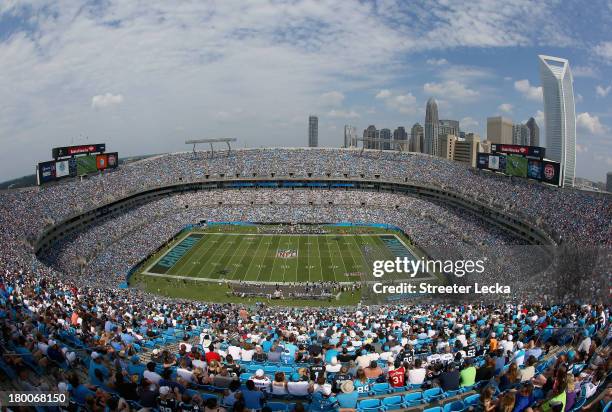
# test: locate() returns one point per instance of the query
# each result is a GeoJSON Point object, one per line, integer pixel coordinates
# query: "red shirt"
{"type": "Point", "coordinates": [397, 377]}
{"type": "Point", "coordinates": [212, 356]}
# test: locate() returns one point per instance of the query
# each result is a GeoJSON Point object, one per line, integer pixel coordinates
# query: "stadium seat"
{"type": "Point", "coordinates": [380, 389]}
{"type": "Point", "coordinates": [456, 406]}
{"type": "Point", "coordinates": [369, 405]}
{"type": "Point", "coordinates": [391, 403]}
{"type": "Point", "coordinates": [433, 394]}
{"type": "Point", "coordinates": [472, 400]}
{"type": "Point", "coordinates": [413, 398]}
{"type": "Point", "coordinates": [433, 409]}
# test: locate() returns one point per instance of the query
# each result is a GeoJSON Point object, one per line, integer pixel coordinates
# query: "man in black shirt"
{"type": "Point", "coordinates": [345, 357]}
{"type": "Point", "coordinates": [450, 378]}
{"type": "Point", "coordinates": [317, 369]}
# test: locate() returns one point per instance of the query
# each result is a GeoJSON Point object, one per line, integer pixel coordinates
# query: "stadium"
{"type": "Point", "coordinates": [244, 280]}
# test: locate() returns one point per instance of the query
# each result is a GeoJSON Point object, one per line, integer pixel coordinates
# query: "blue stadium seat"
{"type": "Point", "coordinates": [472, 400]}
{"type": "Point", "coordinates": [369, 405]}
{"type": "Point", "coordinates": [381, 389]}
{"type": "Point", "coordinates": [433, 394]}
{"type": "Point", "coordinates": [434, 409]}
{"type": "Point", "coordinates": [391, 403]}
{"type": "Point", "coordinates": [456, 406]}
{"type": "Point", "coordinates": [413, 398]}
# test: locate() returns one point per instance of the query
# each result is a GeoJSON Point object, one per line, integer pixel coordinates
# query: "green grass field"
{"type": "Point", "coordinates": [198, 263]}
{"type": "Point", "coordinates": [340, 257]}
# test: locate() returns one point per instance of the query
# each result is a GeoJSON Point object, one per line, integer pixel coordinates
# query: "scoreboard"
{"type": "Point", "coordinates": [73, 161]}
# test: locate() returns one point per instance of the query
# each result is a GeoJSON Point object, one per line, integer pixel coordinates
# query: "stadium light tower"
{"type": "Point", "coordinates": [226, 140]}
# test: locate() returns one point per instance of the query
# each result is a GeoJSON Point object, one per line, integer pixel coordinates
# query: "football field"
{"type": "Point", "coordinates": [277, 257]}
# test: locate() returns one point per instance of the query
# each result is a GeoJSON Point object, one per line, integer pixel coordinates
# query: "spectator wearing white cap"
{"type": "Point", "coordinates": [261, 381]}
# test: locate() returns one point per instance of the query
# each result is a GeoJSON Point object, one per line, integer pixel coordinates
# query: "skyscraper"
{"type": "Point", "coordinates": [370, 133]}
{"type": "Point", "coordinates": [416, 138]}
{"type": "Point", "coordinates": [385, 134]}
{"type": "Point", "coordinates": [520, 134]}
{"type": "Point", "coordinates": [534, 132]}
{"type": "Point", "coordinates": [449, 127]}
{"type": "Point", "coordinates": [431, 127]}
{"type": "Point", "coordinates": [400, 136]}
{"type": "Point", "coordinates": [313, 131]}
{"type": "Point", "coordinates": [559, 115]}
{"type": "Point", "coordinates": [466, 149]}
{"type": "Point", "coordinates": [499, 130]}
{"type": "Point", "coordinates": [350, 136]}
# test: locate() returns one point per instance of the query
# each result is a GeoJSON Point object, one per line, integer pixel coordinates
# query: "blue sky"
{"type": "Point", "coordinates": [145, 76]}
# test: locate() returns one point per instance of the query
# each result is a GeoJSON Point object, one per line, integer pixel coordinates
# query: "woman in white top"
{"type": "Point", "coordinates": [279, 385]}
{"type": "Point", "coordinates": [246, 354]}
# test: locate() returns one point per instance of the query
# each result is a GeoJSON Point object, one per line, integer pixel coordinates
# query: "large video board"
{"type": "Point", "coordinates": [516, 166]}
{"type": "Point", "coordinates": [70, 163]}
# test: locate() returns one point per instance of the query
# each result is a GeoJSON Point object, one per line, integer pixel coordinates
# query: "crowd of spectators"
{"type": "Point", "coordinates": [571, 215]}
{"type": "Point", "coordinates": [95, 344]}
{"type": "Point", "coordinates": [65, 325]}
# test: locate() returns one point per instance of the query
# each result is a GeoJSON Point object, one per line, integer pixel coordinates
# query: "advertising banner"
{"type": "Point", "coordinates": [101, 161]}
{"type": "Point", "coordinates": [482, 160]}
{"type": "Point", "coordinates": [113, 160]}
{"type": "Point", "coordinates": [75, 150]}
{"type": "Point", "coordinates": [493, 162]}
{"type": "Point", "coordinates": [529, 151]}
{"type": "Point", "coordinates": [46, 172]}
{"type": "Point", "coordinates": [551, 172]}
{"type": "Point", "coordinates": [534, 169]}
{"type": "Point", "coordinates": [516, 166]}
{"type": "Point", "coordinates": [62, 168]}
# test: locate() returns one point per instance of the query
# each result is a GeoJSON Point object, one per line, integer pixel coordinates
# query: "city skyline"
{"type": "Point", "coordinates": [144, 81]}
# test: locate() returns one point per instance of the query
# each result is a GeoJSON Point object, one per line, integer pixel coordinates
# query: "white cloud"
{"type": "Point", "coordinates": [403, 103]}
{"type": "Point", "coordinates": [436, 62]}
{"type": "Point", "coordinates": [527, 90]}
{"type": "Point", "coordinates": [383, 94]}
{"type": "Point", "coordinates": [602, 91]}
{"type": "Point", "coordinates": [604, 50]}
{"type": "Point", "coordinates": [333, 98]}
{"type": "Point", "coordinates": [583, 71]}
{"type": "Point", "coordinates": [506, 107]}
{"type": "Point", "coordinates": [581, 148]}
{"type": "Point", "coordinates": [579, 98]}
{"type": "Point", "coordinates": [590, 123]}
{"type": "Point", "coordinates": [468, 123]}
{"type": "Point", "coordinates": [343, 114]}
{"type": "Point", "coordinates": [101, 101]}
{"type": "Point", "coordinates": [451, 90]}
